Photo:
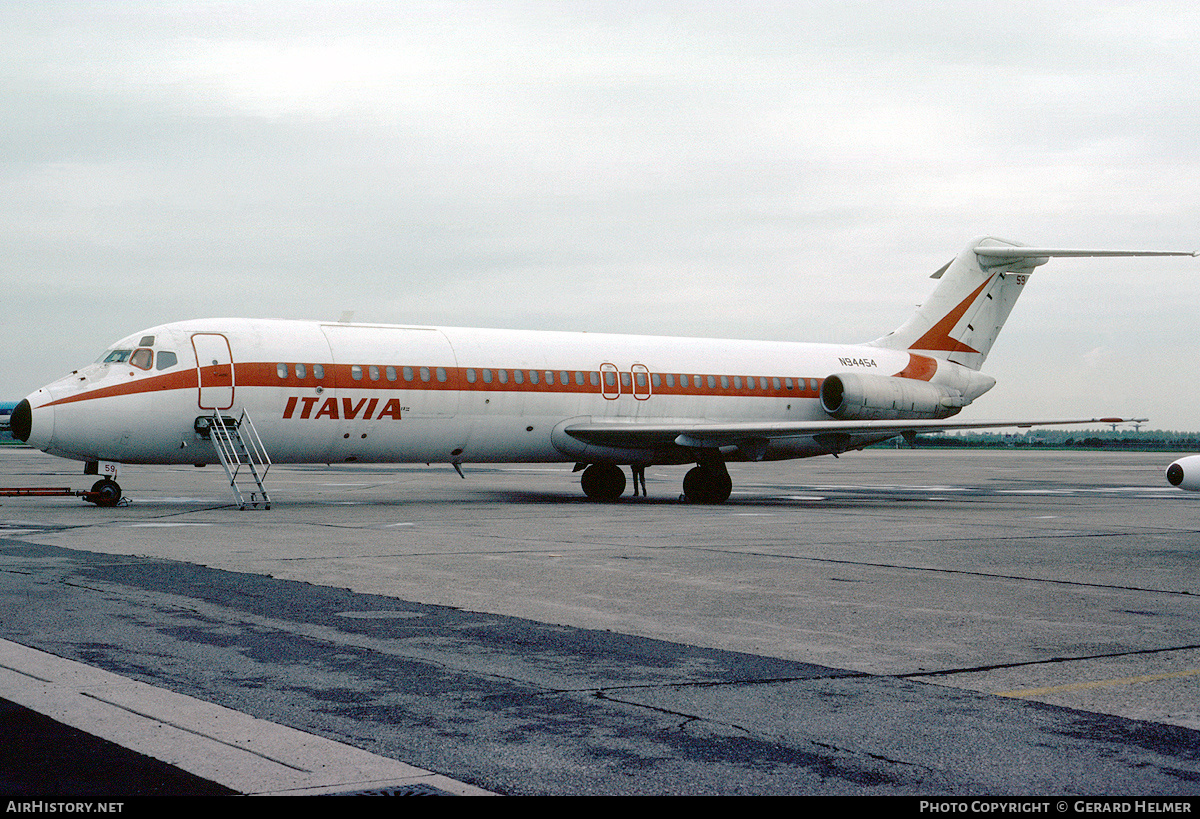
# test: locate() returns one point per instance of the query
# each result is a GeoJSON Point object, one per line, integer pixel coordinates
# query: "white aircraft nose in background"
{"type": "Point", "coordinates": [1185, 473]}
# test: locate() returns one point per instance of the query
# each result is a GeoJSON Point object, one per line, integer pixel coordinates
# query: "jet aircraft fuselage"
{"type": "Point", "coordinates": [338, 392]}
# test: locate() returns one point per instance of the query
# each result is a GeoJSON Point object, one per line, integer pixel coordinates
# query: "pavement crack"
{"type": "Point", "coordinates": [1045, 661]}
{"type": "Point", "coordinates": [836, 675]}
{"type": "Point", "coordinates": [964, 572]}
{"type": "Point", "coordinates": [683, 715]}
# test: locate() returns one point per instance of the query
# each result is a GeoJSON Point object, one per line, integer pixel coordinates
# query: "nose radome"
{"type": "Point", "coordinates": [21, 421]}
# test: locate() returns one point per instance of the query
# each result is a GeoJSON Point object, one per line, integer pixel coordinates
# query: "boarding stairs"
{"type": "Point", "coordinates": [238, 446]}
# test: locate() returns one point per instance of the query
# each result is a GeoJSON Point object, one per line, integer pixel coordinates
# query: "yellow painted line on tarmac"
{"type": "Point", "coordinates": [1055, 689]}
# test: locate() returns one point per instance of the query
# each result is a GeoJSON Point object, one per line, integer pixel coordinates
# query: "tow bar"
{"type": "Point", "coordinates": [101, 494]}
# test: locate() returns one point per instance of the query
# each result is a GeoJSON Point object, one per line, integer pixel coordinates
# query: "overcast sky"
{"type": "Point", "coordinates": [790, 170]}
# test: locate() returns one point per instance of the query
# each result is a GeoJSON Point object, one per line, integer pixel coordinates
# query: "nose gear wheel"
{"type": "Point", "coordinates": [105, 492]}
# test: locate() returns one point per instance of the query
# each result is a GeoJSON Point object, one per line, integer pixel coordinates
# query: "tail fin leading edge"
{"type": "Point", "coordinates": [960, 321]}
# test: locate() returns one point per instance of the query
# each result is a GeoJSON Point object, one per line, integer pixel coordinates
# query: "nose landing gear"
{"type": "Point", "coordinates": [105, 492]}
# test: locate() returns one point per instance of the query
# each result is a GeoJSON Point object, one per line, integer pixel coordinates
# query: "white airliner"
{"type": "Point", "coordinates": [336, 392]}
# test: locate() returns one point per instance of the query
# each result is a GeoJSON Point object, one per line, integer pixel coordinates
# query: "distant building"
{"type": "Point", "coordinates": [6, 409]}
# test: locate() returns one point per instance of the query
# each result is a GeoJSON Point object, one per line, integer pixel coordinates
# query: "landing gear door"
{"type": "Point", "coordinates": [214, 370]}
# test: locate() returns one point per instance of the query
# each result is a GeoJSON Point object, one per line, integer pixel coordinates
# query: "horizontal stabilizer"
{"type": "Point", "coordinates": [991, 256]}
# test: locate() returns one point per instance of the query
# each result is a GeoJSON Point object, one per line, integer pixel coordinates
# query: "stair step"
{"type": "Point", "coordinates": [238, 445]}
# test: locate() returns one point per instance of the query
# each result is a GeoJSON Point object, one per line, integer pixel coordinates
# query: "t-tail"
{"type": "Point", "coordinates": [977, 290]}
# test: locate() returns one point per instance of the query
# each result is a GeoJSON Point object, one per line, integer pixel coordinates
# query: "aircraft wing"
{"type": "Point", "coordinates": [754, 435]}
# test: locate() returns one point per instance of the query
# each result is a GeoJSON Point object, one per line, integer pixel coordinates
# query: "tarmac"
{"type": "Point", "coordinates": [890, 623]}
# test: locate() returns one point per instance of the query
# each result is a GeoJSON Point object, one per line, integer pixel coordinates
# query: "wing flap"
{"type": "Point", "coordinates": [717, 434]}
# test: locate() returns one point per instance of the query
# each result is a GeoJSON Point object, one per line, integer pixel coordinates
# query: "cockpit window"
{"type": "Point", "coordinates": [117, 356]}
{"type": "Point", "coordinates": [166, 359]}
{"type": "Point", "coordinates": [147, 341]}
{"type": "Point", "coordinates": [142, 358]}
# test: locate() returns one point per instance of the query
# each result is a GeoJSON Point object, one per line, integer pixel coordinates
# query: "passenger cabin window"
{"type": "Point", "coordinates": [142, 358]}
{"type": "Point", "coordinates": [166, 360]}
{"type": "Point", "coordinates": [318, 371]}
{"type": "Point", "coordinates": [301, 371]}
{"type": "Point", "coordinates": [356, 372]}
{"type": "Point", "coordinates": [281, 370]}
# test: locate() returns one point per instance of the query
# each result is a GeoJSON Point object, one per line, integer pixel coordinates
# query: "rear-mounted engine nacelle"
{"type": "Point", "coordinates": [1185, 473]}
{"type": "Point", "coordinates": [856, 397]}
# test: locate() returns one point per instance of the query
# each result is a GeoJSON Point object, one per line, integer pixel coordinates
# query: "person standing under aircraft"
{"type": "Point", "coordinates": [639, 477]}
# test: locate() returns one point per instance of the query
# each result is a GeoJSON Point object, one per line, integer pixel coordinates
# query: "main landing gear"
{"type": "Point", "coordinates": [708, 483]}
{"type": "Point", "coordinates": [603, 482]}
{"type": "Point", "coordinates": [705, 483]}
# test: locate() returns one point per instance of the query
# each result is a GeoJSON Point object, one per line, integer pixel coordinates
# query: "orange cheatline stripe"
{"type": "Point", "coordinates": [265, 374]}
{"type": "Point", "coordinates": [185, 379]}
{"type": "Point", "coordinates": [919, 367]}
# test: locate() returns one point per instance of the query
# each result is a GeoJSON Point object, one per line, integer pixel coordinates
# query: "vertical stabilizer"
{"type": "Point", "coordinates": [961, 319]}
